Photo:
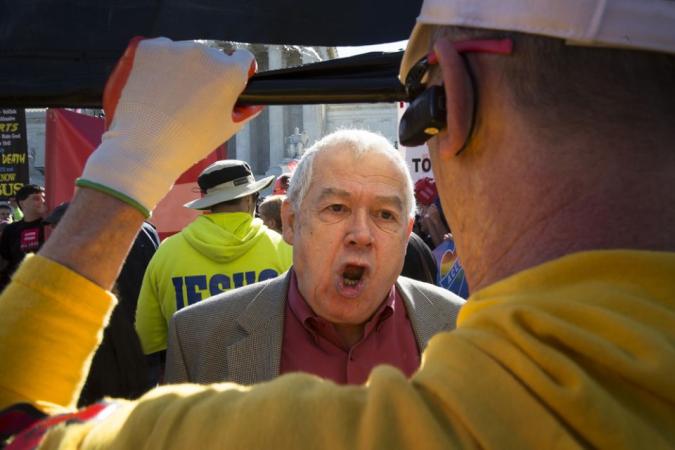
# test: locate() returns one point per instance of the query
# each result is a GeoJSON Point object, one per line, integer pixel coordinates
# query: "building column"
{"type": "Point", "coordinates": [243, 144]}
{"type": "Point", "coordinates": [313, 116]}
{"type": "Point", "coordinates": [276, 113]}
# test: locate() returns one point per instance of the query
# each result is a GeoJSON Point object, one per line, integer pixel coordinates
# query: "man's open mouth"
{"type": "Point", "coordinates": [352, 275]}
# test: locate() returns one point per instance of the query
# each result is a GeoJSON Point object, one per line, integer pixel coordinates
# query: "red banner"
{"type": "Point", "coordinates": [70, 139]}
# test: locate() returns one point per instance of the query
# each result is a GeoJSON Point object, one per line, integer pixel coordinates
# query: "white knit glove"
{"type": "Point", "coordinates": [170, 104]}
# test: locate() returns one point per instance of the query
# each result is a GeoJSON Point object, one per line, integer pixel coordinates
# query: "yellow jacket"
{"type": "Point", "coordinates": [578, 352]}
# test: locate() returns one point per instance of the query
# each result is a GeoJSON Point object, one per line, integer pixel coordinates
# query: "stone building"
{"type": "Point", "coordinates": [35, 129]}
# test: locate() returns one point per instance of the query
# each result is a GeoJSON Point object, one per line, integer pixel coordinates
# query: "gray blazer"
{"type": "Point", "coordinates": [237, 335]}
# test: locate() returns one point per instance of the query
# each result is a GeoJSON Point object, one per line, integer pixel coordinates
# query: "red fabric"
{"type": "Point", "coordinates": [425, 191]}
{"type": "Point", "coordinates": [18, 418]}
{"type": "Point", "coordinates": [311, 344]}
{"type": "Point", "coordinates": [281, 184]}
{"type": "Point", "coordinates": [70, 139]}
{"type": "Point", "coordinates": [31, 437]}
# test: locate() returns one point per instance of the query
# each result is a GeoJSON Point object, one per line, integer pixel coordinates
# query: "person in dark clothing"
{"type": "Point", "coordinates": [56, 214]}
{"type": "Point", "coordinates": [25, 236]}
{"type": "Point", "coordinates": [119, 367]}
{"type": "Point", "coordinates": [419, 263]}
{"type": "Point", "coordinates": [131, 276]}
{"type": "Point", "coordinates": [5, 216]}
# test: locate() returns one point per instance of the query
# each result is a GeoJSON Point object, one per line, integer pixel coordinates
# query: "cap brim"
{"type": "Point", "coordinates": [213, 198]}
{"type": "Point", "coordinates": [639, 25]}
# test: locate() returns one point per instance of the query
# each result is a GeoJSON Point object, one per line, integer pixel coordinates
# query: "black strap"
{"type": "Point", "coordinates": [208, 180]}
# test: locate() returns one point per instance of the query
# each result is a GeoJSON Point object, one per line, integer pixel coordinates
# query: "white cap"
{"type": "Point", "coordinates": [636, 24]}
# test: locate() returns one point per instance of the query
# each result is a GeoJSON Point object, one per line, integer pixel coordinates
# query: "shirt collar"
{"type": "Point", "coordinates": [315, 324]}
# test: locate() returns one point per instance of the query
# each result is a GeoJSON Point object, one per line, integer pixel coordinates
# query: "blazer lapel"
{"type": "Point", "coordinates": [425, 317]}
{"type": "Point", "coordinates": [256, 356]}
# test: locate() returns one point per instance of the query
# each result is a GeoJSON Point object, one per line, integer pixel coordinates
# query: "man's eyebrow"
{"type": "Point", "coordinates": [333, 192]}
{"type": "Point", "coordinates": [391, 199]}
{"type": "Point", "coordinates": [386, 199]}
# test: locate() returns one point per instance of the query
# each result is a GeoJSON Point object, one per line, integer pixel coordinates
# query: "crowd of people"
{"type": "Point", "coordinates": [554, 171]}
{"type": "Point", "coordinates": [227, 248]}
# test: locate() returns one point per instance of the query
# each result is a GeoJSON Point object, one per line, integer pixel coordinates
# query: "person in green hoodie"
{"type": "Point", "coordinates": [224, 249]}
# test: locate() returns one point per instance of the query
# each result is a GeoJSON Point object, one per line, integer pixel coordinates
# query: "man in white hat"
{"type": "Point", "coordinates": [223, 249]}
{"type": "Point", "coordinates": [557, 149]}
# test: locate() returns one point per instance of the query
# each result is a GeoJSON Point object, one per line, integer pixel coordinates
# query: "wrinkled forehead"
{"type": "Point", "coordinates": [348, 169]}
{"type": "Point", "coordinates": [348, 161]}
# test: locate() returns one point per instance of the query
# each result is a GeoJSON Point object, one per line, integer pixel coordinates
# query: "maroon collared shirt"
{"type": "Point", "coordinates": [311, 344]}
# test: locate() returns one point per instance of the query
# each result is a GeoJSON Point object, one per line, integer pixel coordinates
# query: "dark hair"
{"type": "Point", "coordinates": [27, 190]}
{"type": "Point", "coordinates": [591, 89]}
{"type": "Point", "coordinates": [419, 263]}
{"type": "Point", "coordinates": [568, 90]}
{"type": "Point", "coordinates": [271, 207]}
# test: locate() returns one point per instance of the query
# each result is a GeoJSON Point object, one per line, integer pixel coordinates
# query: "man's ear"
{"type": "Point", "coordinates": [411, 224]}
{"type": "Point", "coordinates": [459, 99]}
{"type": "Point", "coordinates": [287, 221]}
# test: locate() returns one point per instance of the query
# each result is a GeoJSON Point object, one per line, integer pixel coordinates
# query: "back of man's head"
{"type": "Point", "coordinates": [563, 145]}
{"type": "Point", "coordinates": [270, 211]}
{"type": "Point", "coordinates": [243, 204]}
{"type": "Point", "coordinates": [608, 70]}
{"type": "Point", "coordinates": [579, 94]}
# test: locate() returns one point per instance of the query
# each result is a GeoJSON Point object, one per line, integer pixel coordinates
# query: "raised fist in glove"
{"type": "Point", "coordinates": [168, 104]}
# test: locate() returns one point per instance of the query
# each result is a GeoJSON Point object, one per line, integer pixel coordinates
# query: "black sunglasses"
{"type": "Point", "coordinates": [426, 115]}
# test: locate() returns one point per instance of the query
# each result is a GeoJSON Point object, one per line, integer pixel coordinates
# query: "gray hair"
{"type": "Point", "coordinates": [359, 142]}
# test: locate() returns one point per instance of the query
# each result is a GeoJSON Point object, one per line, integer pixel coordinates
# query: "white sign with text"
{"type": "Point", "coordinates": [417, 158]}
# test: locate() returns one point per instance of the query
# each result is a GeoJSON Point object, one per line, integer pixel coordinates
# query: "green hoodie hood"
{"type": "Point", "coordinates": [215, 253]}
{"type": "Point", "coordinates": [223, 237]}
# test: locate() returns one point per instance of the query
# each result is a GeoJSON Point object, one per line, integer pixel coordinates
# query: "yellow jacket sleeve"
{"type": "Point", "coordinates": [45, 335]}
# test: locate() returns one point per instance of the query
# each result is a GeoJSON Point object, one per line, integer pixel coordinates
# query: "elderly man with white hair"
{"type": "Point", "coordinates": [343, 308]}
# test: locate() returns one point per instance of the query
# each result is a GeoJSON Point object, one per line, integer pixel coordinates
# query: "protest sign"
{"type": "Point", "coordinates": [419, 164]}
{"type": "Point", "coordinates": [13, 151]}
{"type": "Point", "coordinates": [416, 158]}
